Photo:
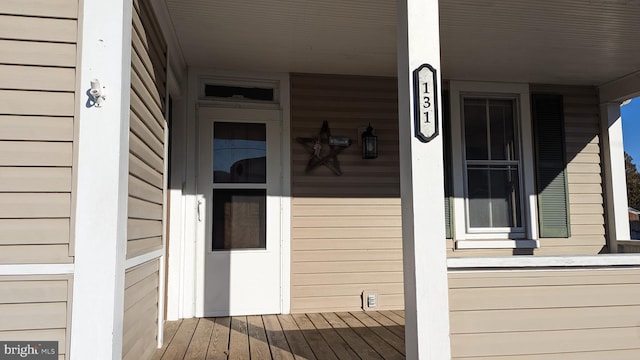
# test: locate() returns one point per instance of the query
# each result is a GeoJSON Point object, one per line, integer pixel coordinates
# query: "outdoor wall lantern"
{"type": "Point", "coordinates": [369, 144]}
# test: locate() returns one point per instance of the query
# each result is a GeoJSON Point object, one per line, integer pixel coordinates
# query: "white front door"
{"type": "Point", "coordinates": [239, 189]}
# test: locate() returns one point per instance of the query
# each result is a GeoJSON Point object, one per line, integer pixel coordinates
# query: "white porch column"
{"type": "Point", "coordinates": [101, 195]}
{"type": "Point", "coordinates": [615, 182]}
{"type": "Point", "coordinates": [422, 187]}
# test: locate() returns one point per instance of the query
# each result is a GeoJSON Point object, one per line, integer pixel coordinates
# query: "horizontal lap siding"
{"type": "Point", "coordinates": [146, 182]}
{"type": "Point", "coordinates": [38, 55]}
{"type": "Point", "coordinates": [586, 202]}
{"type": "Point", "coordinates": [140, 322]}
{"type": "Point", "coordinates": [568, 314]}
{"type": "Point", "coordinates": [346, 230]}
{"type": "Point", "coordinates": [147, 133]}
{"type": "Point", "coordinates": [36, 308]}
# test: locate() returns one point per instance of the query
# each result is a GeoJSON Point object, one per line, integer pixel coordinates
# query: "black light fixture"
{"type": "Point", "coordinates": [369, 144]}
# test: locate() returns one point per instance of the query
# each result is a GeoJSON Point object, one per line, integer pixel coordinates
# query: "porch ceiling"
{"type": "Point", "coordinates": [544, 41]}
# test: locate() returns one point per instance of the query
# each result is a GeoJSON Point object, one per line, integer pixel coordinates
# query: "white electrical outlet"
{"type": "Point", "coordinates": [369, 300]}
{"type": "Point", "coordinates": [372, 300]}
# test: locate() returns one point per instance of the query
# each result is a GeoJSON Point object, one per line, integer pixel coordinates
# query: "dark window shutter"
{"type": "Point", "coordinates": [446, 143]}
{"type": "Point", "coordinates": [551, 174]}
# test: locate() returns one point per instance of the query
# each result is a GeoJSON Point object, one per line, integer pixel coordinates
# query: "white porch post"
{"type": "Point", "coordinates": [422, 187]}
{"type": "Point", "coordinates": [615, 181]}
{"type": "Point", "coordinates": [102, 170]}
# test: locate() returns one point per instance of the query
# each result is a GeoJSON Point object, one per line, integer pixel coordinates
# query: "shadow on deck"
{"type": "Point", "coordinates": [354, 335]}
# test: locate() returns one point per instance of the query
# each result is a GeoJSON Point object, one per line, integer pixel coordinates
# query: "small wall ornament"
{"type": "Point", "coordinates": [324, 149]}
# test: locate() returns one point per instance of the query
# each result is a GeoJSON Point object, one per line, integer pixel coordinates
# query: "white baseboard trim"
{"type": "Point", "coordinates": [129, 263]}
{"type": "Point", "coordinates": [529, 261]}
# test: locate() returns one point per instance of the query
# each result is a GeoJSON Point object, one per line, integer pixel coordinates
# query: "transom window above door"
{"type": "Point", "coordinates": [492, 165]}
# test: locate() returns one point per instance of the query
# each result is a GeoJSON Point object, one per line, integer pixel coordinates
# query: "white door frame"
{"type": "Point", "coordinates": [186, 257]}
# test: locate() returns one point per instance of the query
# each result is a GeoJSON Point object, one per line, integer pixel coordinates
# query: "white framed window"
{"type": "Point", "coordinates": [493, 168]}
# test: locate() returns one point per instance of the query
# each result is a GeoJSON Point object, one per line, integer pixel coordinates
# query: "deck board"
{"type": "Point", "coordinates": [335, 341]}
{"type": "Point", "coordinates": [258, 343]}
{"type": "Point", "coordinates": [177, 348]}
{"type": "Point", "coordinates": [318, 344]}
{"type": "Point", "coordinates": [387, 323]}
{"type": "Point", "coordinates": [394, 317]}
{"type": "Point", "coordinates": [219, 344]}
{"type": "Point", "coordinates": [326, 336]}
{"type": "Point", "coordinates": [297, 341]}
{"type": "Point", "coordinates": [277, 341]}
{"type": "Point", "coordinates": [201, 338]}
{"type": "Point", "coordinates": [376, 342]}
{"type": "Point", "coordinates": [239, 339]}
{"type": "Point", "coordinates": [385, 334]}
{"type": "Point", "coordinates": [351, 337]}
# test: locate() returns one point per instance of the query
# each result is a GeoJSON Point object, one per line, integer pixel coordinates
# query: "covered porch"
{"type": "Point", "coordinates": [381, 224]}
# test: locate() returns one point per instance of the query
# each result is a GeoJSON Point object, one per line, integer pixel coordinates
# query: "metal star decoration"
{"type": "Point", "coordinates": [323, 151]}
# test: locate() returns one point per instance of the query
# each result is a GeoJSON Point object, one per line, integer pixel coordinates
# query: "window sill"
{"type": "Point", "coordinates": [497, 244]}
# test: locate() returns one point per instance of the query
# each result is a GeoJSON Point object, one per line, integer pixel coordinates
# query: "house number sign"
{"type": "Point", "coordinates": [425, 104]}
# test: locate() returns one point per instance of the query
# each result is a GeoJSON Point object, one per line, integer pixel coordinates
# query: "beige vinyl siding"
{"type": "Point", "coordinates": [552, 314]}
{"type": "Point", "coordinates": [36, 308]}
{"type": "Point", "coordinates": [140, 322]}
{"type": "Point", "coordinates": [586, 202]}
{"type": "Point", "coordinates": [147, 133]}
{"type": "Point", "coordinates": [346, 230]}
{"type": "Point", "coordinates": [38, 55]}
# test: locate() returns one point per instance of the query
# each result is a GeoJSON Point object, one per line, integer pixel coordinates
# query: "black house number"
{"type": "Point", "coordinates": [425, 107]}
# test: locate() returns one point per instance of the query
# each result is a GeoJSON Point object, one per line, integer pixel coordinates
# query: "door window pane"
{"type": "Point", "coordinates": [239, 219]}
{"type": "Point", "coordinates": [239, 153]}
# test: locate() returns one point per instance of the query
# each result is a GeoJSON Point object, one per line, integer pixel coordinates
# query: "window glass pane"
{"type": "Point", "coordinates": [494, 196]}
{"type": "Point", "coordinates": [475, 129]}
{"type": "Point", "coordinates": [239, 219]}
{"type": "Point", "coordinates": [479, 199]}
{"type": "Point", "coordinates": [502, 132]}
{"type": "Point", "coordinates": [239, 153]}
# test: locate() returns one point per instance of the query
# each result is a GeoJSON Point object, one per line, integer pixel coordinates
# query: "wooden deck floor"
{"type": "Point", "coordinates": [355, 335]}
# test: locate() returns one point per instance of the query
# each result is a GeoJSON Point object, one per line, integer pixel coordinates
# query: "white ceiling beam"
{"type": "Point", "coordinates": [621, 89]}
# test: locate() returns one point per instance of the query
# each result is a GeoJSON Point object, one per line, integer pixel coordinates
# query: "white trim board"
{"type": "Point", "coordinates": [139, 260]}
{"type": "Point", "coordinates": [545, 261]}
{"type": "Point", "coordinates": [36, 269]}
{"type": "Point", "coordinates": [497, 244]}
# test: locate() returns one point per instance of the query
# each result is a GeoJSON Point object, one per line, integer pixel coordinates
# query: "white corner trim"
{"type": "Point", "coordinates": [138, 260]}
{"type": "Point", "coordinates": [161, 303]}
{"type": "Point", "coordinates": [497, 244]}
{"type": "Point", "coordinates": [545, 261]}
{"type": "Point", "coordinates": [285, 200]}
{"type": "Point", "coordinates": [36, 269]}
